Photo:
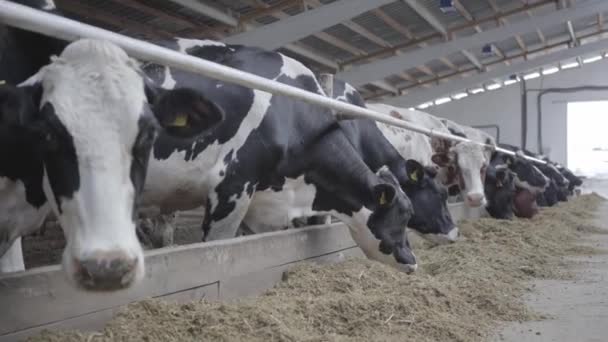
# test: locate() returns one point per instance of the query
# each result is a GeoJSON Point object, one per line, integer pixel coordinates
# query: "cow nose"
{"type": "Point", "coordinates": [475, 199]}
{"type": "Point", "coordinates": [106, 272]}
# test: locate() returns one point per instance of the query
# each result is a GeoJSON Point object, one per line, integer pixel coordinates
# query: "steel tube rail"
{"type": "Point", "coordinates": [63, 28]}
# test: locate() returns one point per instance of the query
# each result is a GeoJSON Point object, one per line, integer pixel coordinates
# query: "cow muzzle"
{"type": "Point", "coordinates": [108, 271]}
{"type": "Point", "coordinates": [475, 199]}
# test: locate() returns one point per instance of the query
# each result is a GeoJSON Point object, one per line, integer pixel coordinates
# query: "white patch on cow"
{"type": "Point", "coordinates": [17, 218]}
{"type": "Point", "coordinates": [293, 68]}
{"type": "Point", "coordinates": [471, 160]}
{"type": "Point", "coordinates": [184, 43]}
{"type": "Point", "coordinates": [409, 144]}
{"type": "Point", "coordinates": [49, 5]}
{"type": "Point", "coordinates": [348, 90]}
{"type": "Point", "coordinates": [169, 81]}
{"type": "Point", "coordinates": [274, 210]}
{"type": "Point", "coordinates": [98, 95]}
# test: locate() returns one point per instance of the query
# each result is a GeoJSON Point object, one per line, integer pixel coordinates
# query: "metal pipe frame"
{"type": "Point", "coordinates": [59, 27]}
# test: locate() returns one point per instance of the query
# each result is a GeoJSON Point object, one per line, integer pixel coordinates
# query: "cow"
{"type": "Point", "coordinates": [380, 144]}
{"type": "Point", "coordinates": [277, 146]}
{"type": "Point", "coordinates": [557, 188]}
{"type": "Point", "coordinates": [77, 135]}
{"type": "Point", "coordinates": [529, 181]}
{"type": "Point", "coordinates": [499, 188]}
{"type": "Point", "coordinates": [471, 162]}
{"type": "Point", "coordinates": [461, 164]}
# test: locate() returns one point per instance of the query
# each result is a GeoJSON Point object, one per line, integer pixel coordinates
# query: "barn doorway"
{"type": "Point", "coordinates": [588, 138]}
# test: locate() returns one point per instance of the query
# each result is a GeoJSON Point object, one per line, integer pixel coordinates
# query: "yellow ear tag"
{"type": "Point", "coordinates": [383, 198]}
{"type": "Point", "coordinates": [180, 121]}
{"type": "Point", "coordinates": [414, 176]}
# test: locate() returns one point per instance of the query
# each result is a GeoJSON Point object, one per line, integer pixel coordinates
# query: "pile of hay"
{"type": "Point", "coordinates": [460, 293]}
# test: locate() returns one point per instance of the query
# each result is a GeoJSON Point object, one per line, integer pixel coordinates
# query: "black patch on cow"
{"type": "Point", "coordinates": [60, 160]}
{"type": "Point", "coordinates": [140, 154]}
{"type": "Point", "coordinates": [22, 52]}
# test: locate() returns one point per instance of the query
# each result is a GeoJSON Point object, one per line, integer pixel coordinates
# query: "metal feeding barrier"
{"type": "Point", "coordinates": [30, 19]}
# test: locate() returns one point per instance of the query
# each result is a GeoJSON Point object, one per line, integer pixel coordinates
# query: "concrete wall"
{"type": "Point", "coordinates": [503, 107]}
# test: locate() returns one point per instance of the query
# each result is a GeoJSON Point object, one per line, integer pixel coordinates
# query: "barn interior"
{"type": "Point", "coordinates": [530, 73]}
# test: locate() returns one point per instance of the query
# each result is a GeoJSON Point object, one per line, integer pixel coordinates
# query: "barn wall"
{"type": "Point", "coordinates": [502, 107]}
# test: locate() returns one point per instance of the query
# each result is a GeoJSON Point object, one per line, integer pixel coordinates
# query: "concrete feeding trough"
{"type": "Point", "coordinates": [41, 298]}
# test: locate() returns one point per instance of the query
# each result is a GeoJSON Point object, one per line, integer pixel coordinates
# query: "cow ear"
{"type": "Point", "coordinates": [384, 195]}
{"type": "Point", "coordinates": [442, 159]}
{"type": "Point", "coordinates": [415, 171]}
{"type": "Point", "coordinates": [184, 112]}
{"type": "Point", "coordinates": [19, 105]}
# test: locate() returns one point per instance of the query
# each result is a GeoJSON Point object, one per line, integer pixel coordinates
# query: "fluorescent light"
{"type": "Point", "coordinates": [531, 76]}
{"type": "Point", "coordinates": [569, 65]}
{"type": "Point", "coordinates": [494, 86]}
{"type": "Point", "coordinates": [412, 108]}
{"type": "Point", "coordinates": [509, 82]}
{"type": "Point", "coordinates": [442, 100]}
{"type": "Point", "coordinates": [425, 105]}
{"type": "Point", "coordinates": [592, 59]}
{"type": "Point", "coordinates": [550, 71]}
{"type": "Point", "coordinates": [460, 96]}
{"type": "Point", "coordinates": [477, 90]}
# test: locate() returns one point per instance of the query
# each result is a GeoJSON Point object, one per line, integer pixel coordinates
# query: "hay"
{"type": "Point", "coordinates": [461, 292]}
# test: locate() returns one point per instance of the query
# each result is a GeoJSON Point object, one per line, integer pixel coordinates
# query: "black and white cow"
{"type": "Point", "coordinates": [499, 187]}
{"type": "Point", "coordinates": [380, 144]}
{"type": "Point", "coordinates": [574, 181]}
{"type": "Point", "coordinates": [273, 158]}
{"type": "Point", "coordinates": [557, 188]}
{"type": "Point", "coordinates": [470, 162]}
{"type": "Point", "coordinates": [76, 138]}
{"type": "Point", "coordinates": [529, 181]}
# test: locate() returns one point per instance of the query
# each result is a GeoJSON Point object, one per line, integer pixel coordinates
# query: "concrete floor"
{"type": "Point", "coordinates": [579, 308]}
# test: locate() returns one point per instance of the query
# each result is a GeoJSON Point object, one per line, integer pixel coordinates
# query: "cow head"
{"type": "Point", "coordinates": [390, 212]}
{"type": "Point", "coordinates": [570, 176]}
{"type": "Point", "coordinates": [429, 199]}
{"type": "Point", "coordinates": [500, 191]}
{"type": "Point", "coordinates": [468, 162]}
{"type": "Point", "coordinates": [549, 197]}
{"type": "Point", "coordinates": [551, 171]}
{"type": "Point", "coordinates": [527, 176]}
{"type": "Point", "coordinates": [92, 126]}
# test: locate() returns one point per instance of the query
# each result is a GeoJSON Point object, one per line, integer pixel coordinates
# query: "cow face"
{"type": "Point", "coordinates": [500, 191]}
{"type": "Point", "coordinates": [527, 175]}
{"type": "Point", "coordinates": [390, 214]}
{"type": "Point", "coordinates": [548, 198]}
{"type": "Point", "coordinates": [553, 174]}
{"type": "Point", "coordinates": [92, 127]}
{"type": "Point", "coordinates": [570, 176]}
{"type": "Point", "coordinates": [429, 199]}
{"type": "Point", "coordinates": [469, 163]}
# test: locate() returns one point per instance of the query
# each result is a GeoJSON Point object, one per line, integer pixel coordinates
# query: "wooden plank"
{"type": "Point", "coordinates": [42, 296]}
